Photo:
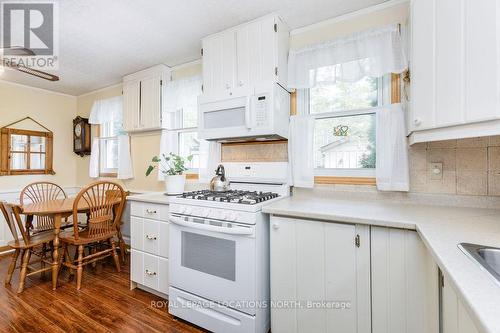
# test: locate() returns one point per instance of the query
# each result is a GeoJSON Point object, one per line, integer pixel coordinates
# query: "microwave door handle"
{"type": "Point", "coordinates": [199, 226]}
{"type": "Point", "coordinates": [248, 116]}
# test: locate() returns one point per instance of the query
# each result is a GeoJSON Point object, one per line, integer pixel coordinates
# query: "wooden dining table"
{"type": "Point", "coordinates": [58, 209]}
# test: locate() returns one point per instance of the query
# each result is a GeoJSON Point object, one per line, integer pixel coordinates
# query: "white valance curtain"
{"type": "Point", "coordinates": [104, 111]}
{"type": "Point", "coordinates": [392, 149]}
{"type": "Point", "coordinates": [181, 96]}
{"type": "Point", "coordinates": [107, 110]}
{"type": "Point", "coordinates": [371, 53]}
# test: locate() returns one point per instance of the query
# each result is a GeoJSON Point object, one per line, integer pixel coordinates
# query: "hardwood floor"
{"type": "Point", "coordinates": [104, 304]}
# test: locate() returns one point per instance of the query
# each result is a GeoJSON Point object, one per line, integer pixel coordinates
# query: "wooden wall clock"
{"type": "Point", "coordinates": [81, 136]}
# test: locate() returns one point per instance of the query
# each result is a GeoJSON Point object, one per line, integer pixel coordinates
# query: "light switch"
{"type": "Point", "coordinates": [437, 171]}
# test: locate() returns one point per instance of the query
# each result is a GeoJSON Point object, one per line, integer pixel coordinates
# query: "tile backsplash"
{"type": "Point", "coordinates": [470, 166]}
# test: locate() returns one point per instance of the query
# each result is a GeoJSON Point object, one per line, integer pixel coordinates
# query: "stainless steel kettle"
{"type": "Point", "coordinates": [219, 183]}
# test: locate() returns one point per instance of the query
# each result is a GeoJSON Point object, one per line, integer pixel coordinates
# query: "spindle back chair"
{"type": "Point", "coordinates": [38, 192]}
{"type": "Point", "coordinates": [23, 243]}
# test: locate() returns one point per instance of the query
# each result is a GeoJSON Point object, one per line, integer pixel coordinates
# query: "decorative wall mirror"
{"type": "Point", "coordinates": [25, 152]}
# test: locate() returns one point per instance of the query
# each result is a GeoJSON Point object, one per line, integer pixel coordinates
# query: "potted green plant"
{"type": "Point", "coordinates": [172, 166]}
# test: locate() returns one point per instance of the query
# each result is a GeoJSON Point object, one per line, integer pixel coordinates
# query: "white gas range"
{"type": "Point", "coordinates": [219, 256]}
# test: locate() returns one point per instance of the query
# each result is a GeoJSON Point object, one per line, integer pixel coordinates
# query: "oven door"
{"type": "Point", "coordinates": [225, 119]}
{"type": "Point", "coordinates": [213, 259]}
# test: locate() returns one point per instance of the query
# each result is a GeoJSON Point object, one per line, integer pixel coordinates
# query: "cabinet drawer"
{"type": "Point", "coordinates": [150, 236]}
{"type": "Point", "coordinates": [149, 270]}
{"type": "Point", "coordinates": [149, 210]}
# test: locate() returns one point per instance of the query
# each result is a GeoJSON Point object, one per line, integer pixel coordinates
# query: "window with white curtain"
{"type": "Point", "coordinates": [345, 128]}
{"type": "Point", "coordinates": [108, 147]}
{"type": "Point", "coordinates": [182, 117]}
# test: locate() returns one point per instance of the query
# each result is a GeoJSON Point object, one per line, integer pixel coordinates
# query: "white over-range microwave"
{"type": "Point", "coordinates": [261, 115]}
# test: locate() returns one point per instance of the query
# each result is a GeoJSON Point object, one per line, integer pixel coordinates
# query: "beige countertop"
{"type": "Point", "coordinates": [441, 229]}
{"type": "Point", "coordinates": [151, 197]}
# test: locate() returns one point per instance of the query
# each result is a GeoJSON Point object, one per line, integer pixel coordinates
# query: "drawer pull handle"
{"type": "Point", "coordinates": [151, 237]}
{"type": "Point", "coordinates": [148, 272]}
{"type": "Point", "coordinates": [150, 211]}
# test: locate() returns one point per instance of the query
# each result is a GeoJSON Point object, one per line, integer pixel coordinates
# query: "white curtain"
{"type": "Point", "coordinates": [94, 159]}
{"type": "Point", "coordinates": [392, 150]}
{"type": "Point", "coordinates": [300, 151]}
{"type": "Point", "coordinates": [210, 158]}
{"type": "Point", "coordinates": [168, 144]}
{"type": "Point", "coordinates": [105, 111]}
{"type": "Point", "coordinates": [371, 53]}
{"type": "Point", "coordinates": [181, 96]}
{"type": "Point", "coordinates": [125, 169]}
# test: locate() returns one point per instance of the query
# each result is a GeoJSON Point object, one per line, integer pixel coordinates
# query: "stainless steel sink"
{"type": "Point", "coordinates": [487, 257]}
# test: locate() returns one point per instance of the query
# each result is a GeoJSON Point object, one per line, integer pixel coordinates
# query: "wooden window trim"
{"type": "Point", "coordinates": [5, 153]}
{"type": "Point", "coordinates": [333, 180]}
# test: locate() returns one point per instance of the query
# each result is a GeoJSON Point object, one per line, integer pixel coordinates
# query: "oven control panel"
{"type": "Point", "coordinates": [214, 213]}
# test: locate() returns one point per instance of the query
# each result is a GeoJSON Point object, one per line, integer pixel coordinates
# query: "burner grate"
{"type": "Point", "coordinates": [232, 196]}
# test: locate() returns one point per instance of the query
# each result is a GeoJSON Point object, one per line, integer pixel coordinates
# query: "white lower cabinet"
{"type": "Point", "coordinates": [149, 237]}
{"type": "Point", "coordinates": [320, 278]}
{"type": "Point", "coordinates": [385, 275]}
{"type": "Point", "coordinates": [405, 293]}
{"type": "Point", "coordinates": [454, 316]}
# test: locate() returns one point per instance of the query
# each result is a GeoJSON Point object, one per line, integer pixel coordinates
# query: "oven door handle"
{"type": "Point", "coordinates": [193, 225]}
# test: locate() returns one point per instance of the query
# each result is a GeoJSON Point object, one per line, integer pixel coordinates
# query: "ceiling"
{"type": "Point", "coordinates": [100, 41]}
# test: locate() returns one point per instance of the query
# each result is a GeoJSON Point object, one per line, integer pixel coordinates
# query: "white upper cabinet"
{"type": "Point", "coordinates": [142, 99]}
{"type": "Point", "coordinates": [455, 64]}
{"type": "Point", "coordinates": [236, 62]}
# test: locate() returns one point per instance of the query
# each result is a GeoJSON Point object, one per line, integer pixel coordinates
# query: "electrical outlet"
{"type": "Point", "coordinates": [436, 171]}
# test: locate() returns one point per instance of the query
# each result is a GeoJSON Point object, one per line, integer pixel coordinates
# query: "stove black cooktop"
{"type": "Point", "coordinates": [232, 196]}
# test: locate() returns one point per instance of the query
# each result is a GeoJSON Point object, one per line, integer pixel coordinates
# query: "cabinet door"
{"type": "Point", "coordinates": [455, 64]}
{"type": "Point", "coordinates": [482, 59]}
{"type": "Point", "coordinates": [454, 315]}
{"type": "Point", "coordinates": [423, 86]}
{"type": "Point", "coordinates": [243, 47]}
{"type": "Point", "coordinates": [219, 60]}
{"type": "Point", "coordinates": [318, 266]}
{"type": "Point", "coordinates": [404, 283]}
{"type": "Point", "coordinates": [131, 107]}
{"type": "Point", "coordinates": [150, 111]}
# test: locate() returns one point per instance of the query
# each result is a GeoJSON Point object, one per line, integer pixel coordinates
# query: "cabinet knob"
{"type": "Point", "coordinates": [417, 122]}
{"type": "Point", "coordinates": [150, 273]}
{"type": "Point", "coordinates": [276, 225]}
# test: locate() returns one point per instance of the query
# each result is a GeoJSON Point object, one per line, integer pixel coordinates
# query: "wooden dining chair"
{"type": "Point", "coordinates": [121, 242]}
{"type": "Point", "coordinates": [38, 192]}
{"type": "Point", "coordinates": [25, 244]}
{"type": "Point", "coordinates": [105, 201]}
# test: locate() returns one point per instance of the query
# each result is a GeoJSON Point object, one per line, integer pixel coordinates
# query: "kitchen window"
{"type": "Point", "coordinates": [108, 148]}
{"type": "Point", "coordinates": [345, 128]}
{"type": "Point", "coordinates": [181, 98]}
